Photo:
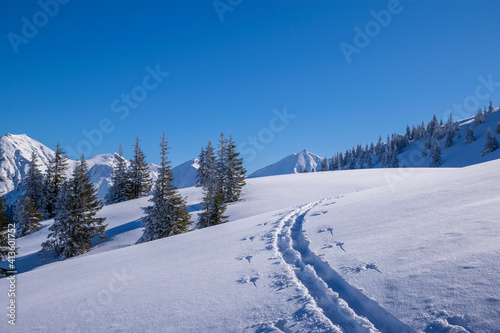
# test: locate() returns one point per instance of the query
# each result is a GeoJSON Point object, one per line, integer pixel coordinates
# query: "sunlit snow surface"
{"type": "Point", "coordinates": [388, 250]}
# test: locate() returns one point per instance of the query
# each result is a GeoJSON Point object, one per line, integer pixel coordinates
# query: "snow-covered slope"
{"type": "Point", "coordinates": [389, 250]}
{"type": "Point", "coordinates": [458, 155]}
{"type": "Point", "coordinates": [291, 164]}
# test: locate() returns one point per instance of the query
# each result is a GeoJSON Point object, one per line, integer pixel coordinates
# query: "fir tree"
{"type": "Point", "coordinates": [435, 155]}
{"type": "Point", "coordinates": [491, 143]}
{"type": "Point", "coordinates": [26, 216]}
{"type": "Point", "coordinates": [490, 108]}
{"type": "Point", "coordinates": [234, 176]}
{"type": "Point", "coordinates": [33, 183]}
{"type": "Point", "coordinates": [497, 131]}
{"type": "Point", "coordinates": [478, 118]}
{"type": "Point", "coordinates": [118, 191]}
{"type": "Point", "coordinates": [4, 235]}
{"type": "Point", "coordinates": [325, 165]}
{"type": "Point", "coordinates": [206, 165]}
{"type": "Point", "coordinates": [394, 158]}
{"type": "Point", "coordinates": [137, 180]}
{"type": "Point", "coordinates": [469, 135]}
{"type": "Point", "coordinates": [213, 206]}
{"type": "Point", "coordinates": [168, 215]}
{"type": "Point", "coordinates": [76, 223]}
{"type": "Point", "coordinates": [427, 145]}
{"type": "Point", "coordinates": [449, 138]}
{"type": "Point", "coordinates": [54, 179]}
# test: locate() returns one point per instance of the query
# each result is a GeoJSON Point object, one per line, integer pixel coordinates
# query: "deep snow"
{"type": "Point", "coordinates": [359, 250]}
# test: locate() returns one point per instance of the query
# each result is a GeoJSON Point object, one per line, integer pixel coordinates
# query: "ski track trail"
{"type": "Point", "coordinates": [344, 306]}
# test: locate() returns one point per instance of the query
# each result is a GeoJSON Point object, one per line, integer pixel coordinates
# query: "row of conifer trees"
{"type": "Point", "coordinates": [74, 204]}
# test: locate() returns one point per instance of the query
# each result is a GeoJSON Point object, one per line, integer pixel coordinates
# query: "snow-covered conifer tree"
{"type": "Point", "coordinates": [76, 223]}
{"type": "Point", "coordinates": [497, 131]}
{"type": "Point", "coordinates": [490, 108]}
{"type": "Point", "coordinates": [478, 118]}
{"type": "Point", "coordinates": [4, 237]}
{"type": "Point", "coordinates": [32, 185]}
{"type": "Point", "coordinates": [394, 158]}
{"type": "Point", "coordinates": [469, 135]}
{"type": "Point", "coordinates": [213, 206]}
{"type": "Point", "coordinates": [168, 215]}
{"type": "Point", "coordinates": [234, 176]}
{"type": "Point", "coordinates": [325, 166]}
{"type": "Point", "coordinates": [491, 143]}
{"type": "Point", "coordinates": [26, 216]}
{"type": "Point", "coordinates": [118, 191]}
{"type": "Point", "coordinates": [138, 182]}
{"type": "Point", "coordinates": [449, 138]}
{"type": "Point", "coordinates": [54, 179]}
{"type": "Point", "coordinates": [435, 155]}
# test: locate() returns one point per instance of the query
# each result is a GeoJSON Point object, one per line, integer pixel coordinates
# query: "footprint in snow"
{"type": "Point", "coordinates": [245, 280]}
{"type": "Point", "coordinates": [339, 244]}
{"type": "Point", "coordinates": [248, 238]}
{"type": "Point", "coordinates": [247, 258]}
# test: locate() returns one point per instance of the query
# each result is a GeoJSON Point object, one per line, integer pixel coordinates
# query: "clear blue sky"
{"type": "Point", "coordinates": [228, 75]}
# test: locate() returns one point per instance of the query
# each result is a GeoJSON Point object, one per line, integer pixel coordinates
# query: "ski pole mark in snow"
{"type": "Point", "coordinates": [342, 304]}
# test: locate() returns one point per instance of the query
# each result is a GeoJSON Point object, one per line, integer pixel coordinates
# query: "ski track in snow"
{"type": "Point", "coordinates": [344, 306]}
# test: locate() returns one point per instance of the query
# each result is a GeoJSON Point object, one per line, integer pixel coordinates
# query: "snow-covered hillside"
{"type": "Point", "coordinates": [388, 250]}
{"type": "Point", "coordinates": [458, 155]}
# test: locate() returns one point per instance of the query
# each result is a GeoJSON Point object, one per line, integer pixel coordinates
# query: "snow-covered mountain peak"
{"type": "Point", "coordinates": [293, 163]}
{"type": "Point", "coordinates": [15, 155]}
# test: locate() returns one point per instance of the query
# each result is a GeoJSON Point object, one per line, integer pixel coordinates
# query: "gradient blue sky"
{"type": "Point", "coordinates": [229, 75]}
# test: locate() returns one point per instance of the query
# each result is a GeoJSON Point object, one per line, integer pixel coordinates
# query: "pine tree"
{"type": "Point", "coordinates": [206, 165]}
{"type": "Point", "coordinates": [76, 223]}
{"type": "Point", "coordinates": [427, 145]}
{"type": "Point", "coordinates": [497, 131]}
{"type": "Point", "coordinates": [435, 155]}
{"type": "Point", "coordinates": [234, 176]}
{"type": "Point", "coordinates": [118, 191]}
{"type": "Point", "coordinates": [394, 158]}
{"type": "Point", "coordinates": [469, 135]}
{"type": "Point", "coordinates": [33, 183]}
{"type": "Point", "coordinates": [449, 138]}
{"type": "Point", "coordinates": [137, 180]}
{"type": "Point", "coordinates": [54, 179]}
{"type": "Point", "coordinates": [325, 166]}
{"type": "Point", "coordinates": [490, 108]}
{"type": "Point", "coordinates": [491, 143]}
{"type": "Point", "coordinates": [26, 216]}
{"type": "Point", "coordinates": [4, 235]}
{"type": "Point", "coordinates": [168, 215]}
{"type": "Point", "coordinates": [478, 118]}
{"type": "Point", "coordinates": [213, 206]}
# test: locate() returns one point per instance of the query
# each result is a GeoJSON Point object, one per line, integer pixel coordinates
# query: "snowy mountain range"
{"type": "Point", "coordinates": [15, 155]}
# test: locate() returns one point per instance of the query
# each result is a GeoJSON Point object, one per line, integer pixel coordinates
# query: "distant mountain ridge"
{"type": "Point", "coordinates": [15, 156]}
{"type": "Point", "coordinates": [458, 155]}
{"type": "Point", "coordinates": [293, 163]}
